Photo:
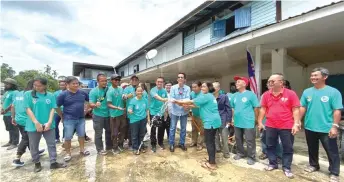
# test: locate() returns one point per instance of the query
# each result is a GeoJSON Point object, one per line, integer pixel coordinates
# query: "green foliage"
{"type": "Point", "coordinates": [6, 71]}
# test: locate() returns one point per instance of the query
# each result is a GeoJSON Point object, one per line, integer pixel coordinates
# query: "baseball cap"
{"type": "Point", "coordinates": [134, 76]}
{"type": "Point", "coordinates": [243, 79]}
{"type": "Point", "coordinates": [115, 76]}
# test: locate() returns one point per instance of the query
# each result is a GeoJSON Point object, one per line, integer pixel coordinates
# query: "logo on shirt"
{"type": "Point", "coordinates": [47, 101]}
{"type": "Point", "coordinates": [163, 95]}
{"type": "Point", "coordinates": [34, 101]}
{"type": "Point", "coordinates": [244, 99]}
{"type": "Point", "coordinates": [309, 98]}
{"type": "Point", "coordinates": [137, 107]}
{"type": "Point", "coordinates": [7, 96]}
{"type": "Point", "coordinates": [283, 99]}
{"type": "Point", "coordinates": [19, 98]}
{"type": "Point", "coordinates": [324, 99]}
{"type": "Point", "coordinates": [234, 100]}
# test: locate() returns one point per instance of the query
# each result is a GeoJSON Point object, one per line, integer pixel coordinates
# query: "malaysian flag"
{"type": "Point", "coordinates": [251, 73]}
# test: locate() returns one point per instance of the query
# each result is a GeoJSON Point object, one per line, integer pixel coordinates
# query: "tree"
{"type": "Point", "coordinates": [6, 71]}
{"type": "Point", "coordinates": [24, 76]}
{"type": "Point", "coordinates": [47, 70]}
{"type": "Point", "coordinates": [54, 74]}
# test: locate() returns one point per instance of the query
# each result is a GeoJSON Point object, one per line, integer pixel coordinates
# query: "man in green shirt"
{"type": "Point", "coordinates": [322, 105]}
{"type": "Point", "coordinates": [118, 122]}
{"type": "Point", "coordinates": [7, 100]}
{"type": "Point", "coordinates": [159, 97]}
{"type": "Point", "coordinates": [101, 119]}
{"type": "Point", "coordinates": [197, 134]}
{"type": "Point", "coordinates": [245, 111]}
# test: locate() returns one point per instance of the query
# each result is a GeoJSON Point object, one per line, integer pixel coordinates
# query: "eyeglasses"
{"type": "Point", "coordinates": [180, 77]}
{"type": "Point", "coordinates": [273, 81]}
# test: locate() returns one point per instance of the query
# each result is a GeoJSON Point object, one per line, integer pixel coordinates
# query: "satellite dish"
{"type": "Point", "coordinates": [151, 54]}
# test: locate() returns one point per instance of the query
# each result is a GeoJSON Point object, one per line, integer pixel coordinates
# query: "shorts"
{"type": "Point", "coordinates": [71, 125]}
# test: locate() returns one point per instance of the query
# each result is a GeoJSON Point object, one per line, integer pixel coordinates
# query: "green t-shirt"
{"type": "Point", "coordinates": [195, 111]}
{"type": "Point", "coordinates": [129, 90]}
{"type": "Point", "coordinates": [114, 95]}
{"type": "Point", "coordinates": [320, 104]}
{"type": "Point", "coordinates": [41, 107]}
{"type": "Point", "coordinates": [139, 108]}
{"type": "Point", "coordinates": [230, 96]}
{"type": "Point", "coordinates": [155, 104]}
{"type": "Point", "coordinates": [19, 108]}
{"type": "Point", "coordinates": [97, 95]}
{"type": "Point", "coordinates": [208, 110]}
{"type": "Point", "coordinates": [56, 94]}
{"type": "Point", "coordinates": [244, 104]}
{"type": "Point", "coordinates": [7, 100]}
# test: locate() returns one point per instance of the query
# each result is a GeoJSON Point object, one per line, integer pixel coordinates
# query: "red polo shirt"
{"type": "Point", "coordinates": [279, 113]}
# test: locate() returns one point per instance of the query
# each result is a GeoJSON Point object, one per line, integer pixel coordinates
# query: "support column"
{"type": "Point", "coordinates": [279, 61]}
{"type": "Point", "coordinates": [258, 69]}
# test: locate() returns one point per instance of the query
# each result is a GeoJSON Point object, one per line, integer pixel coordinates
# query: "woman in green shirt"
{"type": "Point", "coordinates": [40, 106]}
{"type": "Point", "coordinates": [138, 114]}
{"type": "Point", "coordinates": [210, 116]}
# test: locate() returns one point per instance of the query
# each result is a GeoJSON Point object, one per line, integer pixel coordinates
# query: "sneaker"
{"type": "Point", "coordinates": [115, 151]}
{"type": "Point", "coordinates": [183, 147]}
{"type": "Point", "coordinates": [57, 165]}
{"type": "Point", "coordinates": [154, 149]}
{"type": "Point", "coordinates": [6, 145]}
{"type": "Point", "coordinates": [237, 157]}
{"type": "Point", "coordinates": [162, 147]}
{"type": "Point", "coordinates": [57, 141]}
{"type": "Point", "coordinates": [12, 147]}
{"type": "Point", "coordinates": [171, 148]}
{"type": "Point", "coordinates": [102, 152]}
{"type": "Point", "coordinates": [251, 161]}
{"type": "Point", "coordinates": [17, 163]}
{"type": "Point", "coordinates": [38, 167]}
{"type": "Point", "coordinates": [288, 173]}
{"type": "Point", "coordinates": [87, 139]}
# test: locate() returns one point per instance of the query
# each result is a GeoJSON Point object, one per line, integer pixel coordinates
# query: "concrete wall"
{"type": "Point", "coordinates": [293, 8]}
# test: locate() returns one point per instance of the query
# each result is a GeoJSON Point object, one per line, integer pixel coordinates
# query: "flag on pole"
{"type": "Point", "coordinates": [251, 73]}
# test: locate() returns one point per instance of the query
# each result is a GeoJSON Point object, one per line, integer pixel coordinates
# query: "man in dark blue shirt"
{"type": "Point", "coordinates": [73, 116]}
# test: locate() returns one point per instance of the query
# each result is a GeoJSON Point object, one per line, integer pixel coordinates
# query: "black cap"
{"type": "Point", "coordinates": [115, 76]}
{"type": "Point", "coordinates": [134, 76]}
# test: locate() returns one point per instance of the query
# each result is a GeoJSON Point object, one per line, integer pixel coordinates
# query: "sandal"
{"type": "Point", "coordinates": [199, 148]}
{"type": "Point", "coordinates": [67, 158]}
{"type": "Point", "coordinates": [206, 165]}
{"type": "Point", "coordinates": [85, 153]}
{"type": "Point", "coordinates": [263, 156]}
{"type": "Point", "coordinates": [311, 169]}
{"type": "Point", "coordinates": [270, 168]}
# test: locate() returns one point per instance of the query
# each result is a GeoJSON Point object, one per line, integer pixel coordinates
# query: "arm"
{"type": "Point", "coordinates": [296, 116]}
{"type": "Point", "coordinates": [302, 112]}
{"type": "Point", "coordinates": [50, 121]}
{"type": "Point", "coordinates": [337, 106]}
{"type": "Point", "coordinates": [60, 102]}
{"type": "Point", "coordinates": [256, 113]}
{"type": "Point", "coordinates": [261, 115]}
{"type": "Point", "coordinates": [34, 120]}
{"type": "Point", "coordinates": [13, 113]}
{"type": "Point", "coordinates": [184, 102]}
{"type": "Point", "coordinates": [59, 112]}
{"type": "Point", "coordinates": [93, 100]}
{"type": "Point", "coordinates": [228, 109]}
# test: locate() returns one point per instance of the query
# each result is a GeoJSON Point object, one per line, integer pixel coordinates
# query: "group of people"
{"type": "Point", "coordinates": [124, 112]}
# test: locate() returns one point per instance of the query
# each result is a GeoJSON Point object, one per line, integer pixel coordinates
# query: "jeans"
{"type": "Point", "coordinates": [222, 135]}
{"type": "Point", "coordinates": [263, 143]}
{"type": "Point", "coordinates": [118, 130]}
{"type": "Point", "coordinates": [138, 130]}
{"type": "Point", "coordinates": [250, 137]}
{"type": "Point", "coordinates": [161, 132]}
{"type": "Point", "coordinates": [57, 119]}
{"type": "Point", "coordinates": [100, 124]}
{"type": "Point", "coordinates": [330, 146]}
{"type": "Point", "coordinates": [287, 140]}
{"type": "Point", "coordinates": [74, 125]}
{"type": "Point", "coordinates": [24, 142]}
{"type": "Point", "coordinates": [35, 138]}
{"type": "Point", "coordinates": [209, 136]}
{"type": "Point", "coordinates": [13, 131]}
{"type": "Point", "coordinates": [197, 138]}
{"type": "Point", "coordinates": [183, 122]}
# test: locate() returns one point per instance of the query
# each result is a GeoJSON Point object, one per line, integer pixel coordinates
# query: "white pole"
{"type": "Point", "coordinates": [258, 69]}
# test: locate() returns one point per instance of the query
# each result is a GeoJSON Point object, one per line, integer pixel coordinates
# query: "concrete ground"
{"type": "Point", "coordinates": [160, 166]}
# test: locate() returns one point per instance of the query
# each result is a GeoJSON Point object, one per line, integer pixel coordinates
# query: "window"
{"type": "Point", "coordinates": [122, 73]}
{"type": "Point", "coordinates": [136, 68]}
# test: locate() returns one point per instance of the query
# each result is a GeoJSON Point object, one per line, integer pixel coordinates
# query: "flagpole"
{"type": "Point", "coordinates": [258, 69]}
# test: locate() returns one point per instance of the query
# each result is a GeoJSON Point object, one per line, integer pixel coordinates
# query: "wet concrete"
{"type": "Point", "coordinates": [150, 167]}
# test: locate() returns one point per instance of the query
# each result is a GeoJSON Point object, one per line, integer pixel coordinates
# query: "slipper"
{"type": "Point", "coordinates": [270, 168]}
{"type": "Point", "coordinates": [206, 165]}
{"type": "Point", "coordinates": [85, 153]}
{"type": "Point", "coordinates": [67, 158]}
{"type": "Point", "coordinates": [311, 169]}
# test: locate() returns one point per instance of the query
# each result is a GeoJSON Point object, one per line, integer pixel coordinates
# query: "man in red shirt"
{"type": "Point", "coordinates": [281, 107]}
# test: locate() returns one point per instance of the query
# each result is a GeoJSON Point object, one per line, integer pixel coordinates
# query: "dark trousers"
{"type": "Point", "coordinates": [161, 133]}
{"type": "Point", "coordinates": [12, 130]}
{"type": "Point", "coordinates": [250, 137]}
{"type": "Point", "coordinates": [100, 124]}
{"type": "Point", "coordinates": [138, 130]}
{"type": "Point", "coordinates": [330, 146]}
{"type": "Point", "coordinates": [209, 137]}
{"type": "Point", "coordinates": [24, 142]}
{"type": "Point", "coordinates": [287, 140]}
{"type": "Point", "coordinates": [57, 119]}
{"type": "Point", "coordinates": [118, 130]}
{"type": "Point", "coordinates": [128, 133]}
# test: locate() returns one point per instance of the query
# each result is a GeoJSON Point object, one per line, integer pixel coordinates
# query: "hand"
{"type": "Point", "coordinates": [261, 127]}
{"type": "Point", "coordinates": [130, 111]}
{"type": "Point", "coordinates": [228, 124]}
{"type": "Point", "coordinates": [98, 104]}
{"type": "Point", "coordinates": [14, 122]}
{"type": "Point", "coordinates": [333, 132]}
{"type": "Point", "coordinates": [173, 100]}
{"type": "Point", "coordinates": [165, 100]}
{"type": "Point", "coordinates": [295, 129]}
{"type": "Point", "coordinates": [47, 126]}
{"type": "Point", "coordinates": [121, 109]}
{"type": "Point", "coordinates": [39, 127]}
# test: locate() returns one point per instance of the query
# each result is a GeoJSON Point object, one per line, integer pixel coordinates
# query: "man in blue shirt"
{"type": "Point", "coordinates": [73, 116]}
{"type": "Point", "coordinates": [179, 92]}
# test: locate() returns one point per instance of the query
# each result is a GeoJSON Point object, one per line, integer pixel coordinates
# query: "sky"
{"type": "Point", "coordinates": [58, 33]}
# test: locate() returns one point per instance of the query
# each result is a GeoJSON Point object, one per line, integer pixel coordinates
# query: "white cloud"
{"type": "Point", "coordinates": [111, 29]}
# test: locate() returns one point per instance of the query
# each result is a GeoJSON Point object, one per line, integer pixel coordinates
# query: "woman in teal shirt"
{"type": "Point", "coordinates": [211, 119]}
{"type": "Point", "coordinates": [40, 106]}
{"type": "Point", "coordinates": [138, 114]}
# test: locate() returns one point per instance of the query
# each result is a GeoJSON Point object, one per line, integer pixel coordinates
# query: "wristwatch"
{"type": "Point", "coordinates": [336, 125]}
